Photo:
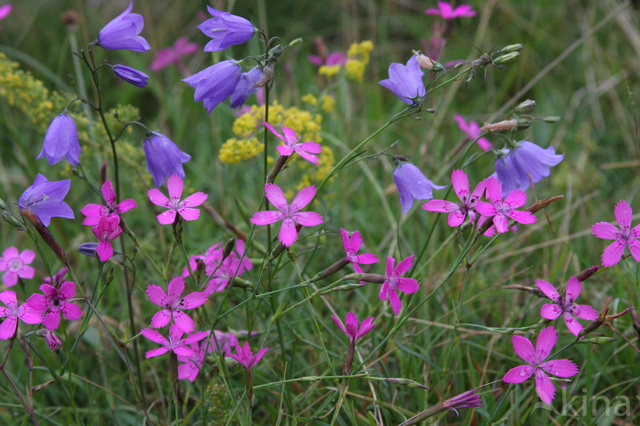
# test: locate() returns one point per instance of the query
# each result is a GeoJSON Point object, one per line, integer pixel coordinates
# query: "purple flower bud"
{"type": "Point", "coordinates": [131, 75]}
{"type": "Point", "coordinates": [406, 81]}
{"type": "Point", "coordinates": [215, 83]}
{"type": "Point", "coordinates": [122, 32]}
{"type": "Point", "coordinates": [245, 87]}
{"type": "Point", "coordinates": [61, 141]}
{"type": "Point", "coordinates": [226, 30]}
{"type": "Point", "coordinates": [46, 199]}
{"type": "Point", "coordinates": [88, 249]}
{"type": "Point", "coordinates": [412, 185]}
{"type": "Point", "coordinates": [164, 158]}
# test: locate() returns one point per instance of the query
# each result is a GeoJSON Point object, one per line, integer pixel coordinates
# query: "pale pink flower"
{"type": "Point", "coordinates": [226, 341]}
{"type": "Point", "coordinates": [292, 144]}
{"type": "Point", "coordinates": [624, 236]}
{"type": "Point", "coordinates": [466, 207]}
{"type": "Point", "coordinates": [55, 302]}
{"type": "Point", "coordinates": [351, 246]}
{"type": "Point", "coordinates": [175, 343]}
{"type": "Point", "coordinates": [395, 283]}
{"type": "Point", "coordinates": [566, 305]}
{"type": "Point", "coordinates": [175, 186]}
{"type": "Point", "coordinates": [502, 211]}
{"type": "Point", "coordinates": [93, 212]}
{"type": "Point", "coordinates": [448, 12]}
{"type": "Point", "coordinates": [16, 265]}
{"type": "Point", "coordinates": [191, 364]}
{"type": "Point", "coordinates": [107, 230]}
{"type": "Point", "coordinates": [245, 357]}
{"type": "Point", "coordinates": [472, 129]}
{"type": "Point", "coordinates": [350, 326]}
{"type": "Point", "coordinates": [537, 365]}
{"type": "Point", "coordinates": [172, 55]}
{"type": "Point", "coordinates": [288, 213]}
{"type": "Point", "coordinates": [12, 312]}
{"type": "Point", "coordinates": [173, 304]}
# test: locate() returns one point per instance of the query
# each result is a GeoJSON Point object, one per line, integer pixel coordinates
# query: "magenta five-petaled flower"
{"type": "Point", "coordinates": [351, 246]}
{"type": "Point", "coordinates": [55, 302]}
{"type": "Point", "coordinates": [107, 230]}
{"type": "Point", "coordinates": [537, 365]}
{"type": "Point", "coordinates": [473, 131]}
{"type": "Point", "coordinates": [466, 207]}
{"type": "Point", "coordinates": [448, 12]}
{"type": "Point", "coordinates": [306, 150]}
{"type": "Point", "coordinates": [245, 357]}
{"type": "Point", "coordinates": [566, 305]}
{"type": "Point", "coordinates": [15, 264]}
{"type": "Point", "coordinates": [93, 212]}
{"type": "Point", "coordinates": [350, 326]}
{"type": "Point", "coordinates": [173, 304]}
{"type": "Point", "coordinates": [395, 282]}
{"type": "Point", "coordinates": [175, 343]}
{"type": "Point", "coordinates": [175, 186]}
{"type": "Point", "coordinates": [624, 235]}
{"type": "Point", "coordinates": [12, 312]}
{"type": "Point", "coordinates": [502, 211]}
{"type": "Point", "coordinates": [290, 214]}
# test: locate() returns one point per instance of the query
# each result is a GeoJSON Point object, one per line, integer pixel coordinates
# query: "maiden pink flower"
{"type": "Point", "coordinates": [245, 357]}
{"type": "Point", "coordinates": [290, 214]}
{"type": "Point", "coordinates": [472, 129]}
{"type": "Point", "coordinates": [467, 206]}
{"type": "Point", "coordinates": [566, 305]}
{"type": "Point", "coordinates": [502, 211]}
{"type": "Point", "coordinates": [122, 32]}
{"type": "Point", "coordinates": [173, 304]}
{"type": "Point", "coordinates": [93, 212]}
{"type": "Point", "coordinates": [292, 144]}
{"type": "Point", "coordinates": [107, 230]}
{"type": "Point", "coordinates": [351, 246]}
{"type": "Point", "coordinates": [175, 186]}
{"type": "Point", "coordinates": [351, 326]}
{"type": "Point", "coordinates": [175, 343]}
{"type": "Point", "coordinates": [172, 55]}
{"type": "Point", "coordinates": [395, 283]}
{"type": "Point", "coordinates": [537, 365]}
{"type": "Point", "coordinates": [221, 271]}
{"type": "Point", "coordinates": [12, 312]}
{"type": "Point", "coordinates": [55, 302]}
{"type": "Point", "coordinates": [448, 12]}
{"type": "Point", "coordinates": [624, 235]}
{"type": "Point", "coordinates": [16, 265]}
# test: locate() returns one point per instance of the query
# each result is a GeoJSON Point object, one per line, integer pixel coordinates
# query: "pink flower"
{"type": "Point", "coordinates": [458, 212]}
{"type": "Point", "coordinates": [15, 264]}
{"type": "Point", "coordinates": [472, 129]}
{"type": "Point", "coordinates": [107, 230]}
{"type": "Point", "coordinates": [191, 364]}
{"type": "Point", "coordinates": [351, 326]}
{"type": "Point", "coordinates": [55, 302]}
{"type": "Point", "coordinates": [5, 10]}
{"type": "Point", "coordinates": [12, 312]}
{"type": "Point", "coordinates": [175, 186]}
{"type": "Point", "coordinates": [226, 341]}
{"type": "Point", "coordinates": [537, 365]}
{"type": "Point", "coordinates": [174, 343]}
{"type": "Point", "coordinates": [624, 236]}
{"type": "Point", "coordinates": [394, 282]}
{"type": "Point", "coordinates": [173, 303]}
{"type": "Point", "coordinates": [448, 12]}
{"type": "Point", "coordinates": [52, 340]}
{"type": "Point", "coordinates": [289, 214]}
{"type": "Point", "coordinates": [502, 211]}
{"type": "Point", "coordinates": [306, 150]}
{"type": "Point", "coordinates": [566, 306]}
{"type": "Point", "coordinates": [351, 246]}
{"type": "Point", "coordinates": [245, 357]}
{"type": "Point", "coordinates": [93, 212]}
{"type": "Point", "coordinates": [172, 55]}
{"type": "Point", "coordinates": [335, 58]}
{"type": "Point", "coordinates": [221, 271]}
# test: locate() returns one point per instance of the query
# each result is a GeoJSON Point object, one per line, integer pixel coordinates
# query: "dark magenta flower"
{"type": "Point", "coordinates": [46, 199]}
{"type": "Point", "coordinates": [131, 75]}
{"type": "Point", "coordinates": [502, 211]}
{"type": "Point", "coordinates": [164, 158]}
{"type": "Point", "coordinates": [172, 55]}
{"type": "Point", "coordinates": [406, 81]}
{"type": "Point", "coordinates": [458, 211]}
{"type": "Point", "coordinates": [352, 246]}
{"type": "Point", "coordinates": [448, 12]}
{"type": "Point", "coordinates": [215, 83]}
{"type": "Point", "coordinates": [624, 235]}
{"type": "Point", "coordinates": [61, 141]}
{"type": "Point", "coordinates": [395, 282]}
{"type": "Point", "coordinates": [225, 29]}
{"type": "Point", "coordinates": [107, 230]}
{"type": "Point", "coordinates": [246, 87]}
{"type": "Point", "coordinates": [122, 32]}
{"type": "Point", "coordinates": [245, 357]}
{"type": "Point", "coordinates": [566, 306]}
{"type": "Point", "coordinates": [55, 302]}
{"type": "Point", "coordinates": [94, 212]}
{"type": "Point", "coordinates": [173, 304]}
{"type": "Point", "coordinates": [350, 327]}
{"type": "Point", "coordinates": [412, 185]}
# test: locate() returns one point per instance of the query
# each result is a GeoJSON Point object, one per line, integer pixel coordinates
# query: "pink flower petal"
{"type": "Point", "coordinates": [194, 300]}
{"type": "Point", "coordinates": [345, 240]}
{"type": "Point", "coordinates": [574, 326]}
{"type": "Point", "coordinates": [8, 328]}
{"type": "Point", "coordinates": [288, 233]}
{"type": "Point", "coordinates": [560, 367]}
{"type": "Point", "coordinates": [548, 289]}
{"type": "Point", "coordinates": [613, 253]}
{"type": "Point", "coordinates": [27, 256]}
{"type": "Point", "coordinates": [167, 218]}
{"type": "Point", "coordinates": [396, 304]}
{"type": "Point", "coordinates": [550, 311]}
{"type": "Point", "coordinates": [284, 150]}
{"type": "Point", "coordinates": [367, 258]}
{"type": "Point", "coordinates": [311, 146]}
{"type": "Point", "coordinates": [407, 285]}
{"type": "Point", "coordinates": [501, 223]}
{"type": "Point", "coordinates": [289, 134]}
{"type": "Point", "coordinates": [518, 374]}
{"type": "Point", "coordinates": [574, 287]}
{"type": "Point", "coordinates": [523, 347]}
{"type": "Point", "coordinates": [351, 324]}
{"type": "Point", "coordinates": [127, 205]}
{"type": "Point", "coordinates": [161, 319]}
{"type": "Point", "coordinates": [71, 311]}
{"type": "Point", "coordinates": [275, 196]}
{"type": "Point", "coordinates": [440, 206]}
{"type": "Point", "coordinates": [189, 214]}
{"type": "Point", "coordinates": [366, 326]}
{"type": "Point", "coordinates": [158, 198]}
{"type": "Point", "coordinates": [67, 290]}
{"type": "Point", "coordinates": [404, 265]}
{"type": "Point", "coordinates": [456, 218]}
{"type": "Point", "coordinates": [51, 320]}
{"type": "Point", "coordinates": [624, 214]}
{"type": "Point", "coordinates": [156, 352]}
{"type": "Point", "coordinates": [339, 324]}
{"type": "Point", "coordinates": [307, 218]}
{"type": "Point", "coordinates": [105, 251]}
{"type": "Point", "coordinates": [544, 387]}
{"type": "Point", "coordinates": [605, 231]}
{"type": "Point", "coordinates": [154, 336]}
{"type": "Point", "coordinates": [634, 248]}
{"type": "Point", "coordinates": [389, 269]}
{"type": "Point", "coordinates": [157, 295]}
{"type": "Point", "coordinates": [585, 312]}
{"type": "Point", "coordinates": [545, 343]}
{"type": "Point", "coordinates": [274, 131]}
{"type": "Point", "coordinates": [303, 198]}
{"type": "Point", "coordinates": [175, 185]}
{"type": "Point", "coordinates": [522, 216]}
{"type": "Point", "coordinates": [194, 200]}
{"type": "Point", "coordinates": [183, 321]}
{"type": "Point", "coordinates": [267, 217]}
{"type": "Point", "coordinates": [460, 183]}
{"type": "Point", "coordinates": [108, 193]}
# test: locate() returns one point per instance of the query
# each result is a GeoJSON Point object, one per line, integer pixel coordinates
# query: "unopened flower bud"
{"type": "Point", "coordinates": [582, 276]}
{"type": "Point", "coordinates": [597, 340]}
{"type": "Point", "coordinates": [406, 382]}
{"type": "Point", "coordinates": [506, 59]}
{"type": "Point", "coordinates": [511, 48]}
{"type": "Point", "coordinates": [552, 119]}
{"type": "Point", "coordinates": [3, 205]}
{"type": "Point", "coordinates": [500, 126]}
{"type": "Point", "coordinates": [524, 122]}
{"type": "Point", "coordinates": [88, 249]}
{"type": "Point", "coordinates": [108, 277]}
{"type": "Point", "coordinates": [103, 173]}
{"type": "Point", "coordinates": [425, 62]}
{"type": "Point", "coordinates": [228, 248]}
{"type": "Point", "coordinates": [526, 106]}
{"type": "Point", "coordinates": [296, 41]}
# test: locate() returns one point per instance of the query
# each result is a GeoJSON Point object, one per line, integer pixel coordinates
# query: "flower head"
{"type": "Point", "coordinates": [172, 55]}
{"type": "Point", "coordinates": [468, 399]}
{"type": "Point", "coordinates": [448, 12]}
{"type": "Point", "coordinates": [16, 265]}
{"type": "Point", "coordinates": [173, 304]}
{"type": "Point", "coordinates": [350, 326]}
{"type": "Point", "coordinates": [412, 185]}
{"type": "Point", "coordinates": [5, 10]}
{"type": "Point", "coordinates": [624, 235]}
{"type": "Point", "coordinates": [52, 340]}
{"type": "Point", "coordinates": [292, 144]}
{"type": "Point", "coordinates": [12, 312]}
{"type": "Point", "coordinates": [61, 141]}
{"type": "Point", "coordinates": [566, 305]}
{"type": "Point", "coordinates": [55, 302]}
{"type": "Point", "coordinates": [473, 131]}
{"type": "Point", "coordinates": [247, 86]}
{"type": "Point", "coordinates": [245, 357]}
{"type": "Point", "coordinates": [175, 186]}
{"type": "Point", "coordinates": [290, 214]}
{"type": "Point", "coordinates": [164, 158]}
{"type": "Point", "coordinates": [406, 81]}
{"type": "Point", "coordinates": [107, 230]}
{"type": "Point", "coordinates": [94, 212]}
{"type": "Point", "coordinates": [131, 75]}
{"type": "Point", "coordinates": [225, 29]}
{"type": "Point", "coordinates": [122, 32]}
{"type": "Point", "coordinates": [468, 202]}
{"type": "Point", "coordinates": [46, 199]}
{"type": "Point", "coordinates": [527, 160]}
{"type": "Point", "coordinates": [351, 246]}
{"type": "Point", "coordinates": [537, 365]}
{"type": "Point", "coordinates": [395, 282]}
{"type": "Point", "coordinates": [215, 83]}
{"type": "Point", "coordinates": [502, 211]}
{"type": "Point", "coordinates": [175, 343]}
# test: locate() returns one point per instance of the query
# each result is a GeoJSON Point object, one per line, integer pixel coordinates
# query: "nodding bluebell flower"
{"type": "Point", "coordinates": [226, 30]}
{"type": "Point", "coordinates": [122, 32]}
{"type": "Point", "coordinates": [46, 199]}
{"type": "Point", "coordinates": [406, 82]}
{"type": "Point", "coordinates": [131, 75]}
{"type": "Point", "coordinates": [512, 167]}
{"type": "Point", "coordinates": [412, 185]}
{"type": "Point", "coordinates": [61, 141]}
{"type": "Point", "coordinates": [245, 87]}
{"type": "Point", "coordinates": [164, 158]}
{"type": "Point", "coordinates": [215, 83]}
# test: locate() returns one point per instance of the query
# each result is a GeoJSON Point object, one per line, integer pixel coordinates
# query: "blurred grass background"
{"type": "Point", "coordinates": [580, 62]}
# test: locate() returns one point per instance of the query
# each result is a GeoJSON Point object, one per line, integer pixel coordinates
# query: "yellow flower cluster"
{"type": "Point", "coordinates": [329, 70]}
{"type": "Point", "coordinates": [359, 55]}
{"type": "Point", "coordinates": [235, 150]}
{"type": "Point", "coordinates": [328, 103]}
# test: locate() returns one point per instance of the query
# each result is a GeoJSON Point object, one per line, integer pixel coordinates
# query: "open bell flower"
{"type": "Point", "coordinates": [566, 305]}
{"type": "Point", "coordinates": [246, 86]}
{"type": "Point", "coordinates": [122, 32]}
{"type": "Point", "coordinates": [61, 141]}
{"type": "Point", "coordinates": [406, 82]}
{"type": "Point", "coordinates": [174, 204]}
{"type": "Point", "coordinates": [164, 158]}
{"type": "Point", "coordinates": [46, 199]}
{"type": "Point", "coordinates": [215, 84]}
{"type": "Point", "coordinates": [624, 235]}
{"type": "Point", "coordinates": [225, 29]}
{"type": "Point", "coordinates": [412, 185]}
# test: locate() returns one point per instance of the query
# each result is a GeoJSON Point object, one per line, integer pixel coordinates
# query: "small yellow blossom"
{"type": "Point", "coordinates": [310, 99]}
{"type": "Point", "coordinates": [328, 103]}
{"type": "Point", "coordinates": [329, 70]}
